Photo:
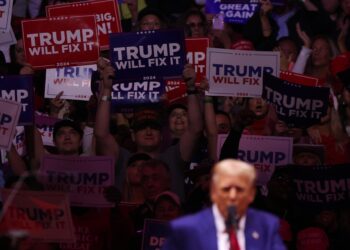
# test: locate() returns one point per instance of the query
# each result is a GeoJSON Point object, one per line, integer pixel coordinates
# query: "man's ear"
{"type": "Point", "coordinates": [252, 194]}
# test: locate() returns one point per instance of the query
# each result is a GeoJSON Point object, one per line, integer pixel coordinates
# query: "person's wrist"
{"type": "Point", "coordinates": [106, 98]}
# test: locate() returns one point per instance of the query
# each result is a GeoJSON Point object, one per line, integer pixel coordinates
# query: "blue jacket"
{"type": "Point", "coordinates": [198, 232]}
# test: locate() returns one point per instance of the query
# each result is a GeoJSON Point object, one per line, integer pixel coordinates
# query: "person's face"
{"type": "Point", "coordinates": [307, 159]}
{"type": "Point", "coordinates": [19, 53]}
{"type": "Point", "coordinates": [222, 123]}
{"type": "Point", "coordinates": [196, 26]}
{"type": "Point", "coordinates": [321, 54]}
{"type": "Point", "coordinates": [67, 141]}
{"type": "Point", "coordinates": [330, 6]}
{"type": "Point", "coordinates": [155, 180]}
{"type": "Point", "coordinates": [166, 210]}
{"type": "Point", "coordinates": [236, 190]}
{"type": "Point", "coordinates": [281, 129]}
{"type": "Point", "coordinates": [289, 49]}
{"type": "Point", "coordinates": [150, 22]}
{"type": "Point", "coordinates": [258, 106]}
{"type": "Point", "coordinates": [134, 173]}
{"type": "Point", "coordinates": [147, 138]}
{"type": "Point", "coordinates": [178, 120]}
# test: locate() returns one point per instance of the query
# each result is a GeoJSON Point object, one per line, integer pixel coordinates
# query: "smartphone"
{"type": "Point", "coordinates": [218, 21]}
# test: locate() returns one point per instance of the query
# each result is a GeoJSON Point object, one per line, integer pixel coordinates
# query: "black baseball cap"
{"type": "Point", "coordinates": [67, 123]}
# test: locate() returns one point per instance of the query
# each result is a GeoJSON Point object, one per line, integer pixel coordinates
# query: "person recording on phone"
{"type": "Point", "coordinates": [229, 224]}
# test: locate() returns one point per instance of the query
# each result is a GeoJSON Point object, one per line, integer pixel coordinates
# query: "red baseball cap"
{"type": "Point", "coordinates": [312, 238]}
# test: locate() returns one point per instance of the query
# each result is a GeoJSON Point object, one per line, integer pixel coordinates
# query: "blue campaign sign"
{"type": "Point", "coordinates": [131, 93]}
{"type": "Point", "coordinates": [19, 88]}
{"type": "Point", "coordinates": [235, 11]}
{"type": "Point", "coordinates": [321, 187]}
{"type": "Point", "coordinates": [154, 234]}
{"type": "Point", "coordinates": [147, 53]}
{"type": "Point", "coordinates": [296, 105]}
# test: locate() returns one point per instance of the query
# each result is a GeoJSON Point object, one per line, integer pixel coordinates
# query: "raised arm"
{"type": "Point", "coordinates": [16, 162]}
{"type": "Point", "coordinates": [341, 40]}
{"type": "Point", "coordinates": [105, 142]}
{"type": "Point", "coordinates": [210, 122]}
{"type": "Point", "coordinates": [195, 123]}
{"type": "Point", "coordinates": [265, 9]}
{"type": "Point", "coordinates": [305, 52]}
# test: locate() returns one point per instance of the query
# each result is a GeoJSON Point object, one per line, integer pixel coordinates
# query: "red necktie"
{"type": "Point", "coordinates": [233, 240]}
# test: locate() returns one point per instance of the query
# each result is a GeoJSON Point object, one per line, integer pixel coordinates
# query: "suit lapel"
{"type": "Point", "coordinates": [252, 232]}
{"type": "Point", "coordinates": [208, 230]}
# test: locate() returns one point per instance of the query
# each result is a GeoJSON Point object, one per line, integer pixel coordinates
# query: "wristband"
{"type": "Point", "coordinates": [106, 98]}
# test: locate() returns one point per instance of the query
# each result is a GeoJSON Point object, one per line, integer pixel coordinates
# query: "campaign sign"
{"type": "Point", "coordinates": [154, 234]}
{"type": "Point", "coordinates": [7, 38]}
{"type": "Point", "coordinates": [45, 125]}
{"type": "Point", "coordinates": [5, 14]}
{"type": "Point", "coordinates": [296, 105]}
{"type": "Point", "coordinates": [239, 73]}
{"type": "Point", "coordinates": [83, 177]}
{"type": "Point", "coordinates": [60, 41]}
{"type": "Point", "coordinates": [322, 186]}
{"type": "Point", "coordinates": [9, 115]}
{"type": "Point", "coordinates": [135, 92]}
{"type": "Point", "coordinates": [148, 53]}
{"type": "Point", "coordinates": [19, 88]}
{"type": "Point", "coordinates": [196, 50]}
{"type": "Point", "coordinates": [265, 152]}
{"type": "Point", "coordinates": [18, 141]}
{"type": "Point", "coordinates": [105, 11]}
{"type": "Point", "coordinates": [175, 88]}
{"type": "Point", "coordinates": [299, 79]}
{"type": "Point", "coordinates": [44, 215]}
{"type": "Point", "coordinates": [234, 11]}
{"type": "Point", "coordinates": [74, 81]}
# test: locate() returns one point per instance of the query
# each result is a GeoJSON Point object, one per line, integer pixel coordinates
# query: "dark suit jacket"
{"type": "Point", "coordinates": [198, 232]}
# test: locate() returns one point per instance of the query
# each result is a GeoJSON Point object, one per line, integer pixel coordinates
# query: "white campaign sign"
{"type": "Point", "coordinates": [9, 115]}
{"type": "Point", "coordinates": [5, 14]}
{"type": "Point", "coordinates": [73, 81]}
{"type": "Point", "coordinates": [239, 73]}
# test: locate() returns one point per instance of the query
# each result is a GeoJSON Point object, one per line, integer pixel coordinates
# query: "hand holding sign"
{"type": "Point", "coordinates": [108, 76]}
{"type": "Point", "coordinates": [56, 104]}
{"type": "Point", "coordinates": [189, 76]}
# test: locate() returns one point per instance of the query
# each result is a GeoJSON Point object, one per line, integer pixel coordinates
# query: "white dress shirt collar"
{"type": "Point", "coordinates": [222, 235]}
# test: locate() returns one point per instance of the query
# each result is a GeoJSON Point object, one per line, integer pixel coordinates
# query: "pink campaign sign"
{"type": "Point", "coordinates": [83, 177]}
{"type": "Point", "coordinates": [44, 215]}
{"type": "Point", "coordinates": [265, 152]}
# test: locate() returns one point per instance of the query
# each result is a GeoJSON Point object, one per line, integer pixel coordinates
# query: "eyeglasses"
{"type": "Point", "coordinates": [194, 25]}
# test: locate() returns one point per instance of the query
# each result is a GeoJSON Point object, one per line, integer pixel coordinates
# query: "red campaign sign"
{"type": "Point", "coordinates": [175, 89]}
{"type": "Point", "coordinates": [196, 51]}
{"type": "Point", "coordinates": [300, 79]}
{"type": "Point", "coordinates": [60, 42]}
{"type": "Point", "coordinates": [105, 11]}
{"type": "Point", "coordinates": [44, 215]}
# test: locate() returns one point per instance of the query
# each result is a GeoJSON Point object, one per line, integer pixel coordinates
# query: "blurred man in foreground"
{"type": "Point", "coordinates": [229, 224]}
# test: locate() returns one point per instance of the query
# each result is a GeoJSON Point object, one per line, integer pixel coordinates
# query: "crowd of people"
{"type": "Point", "coordinates": [164, 153]}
